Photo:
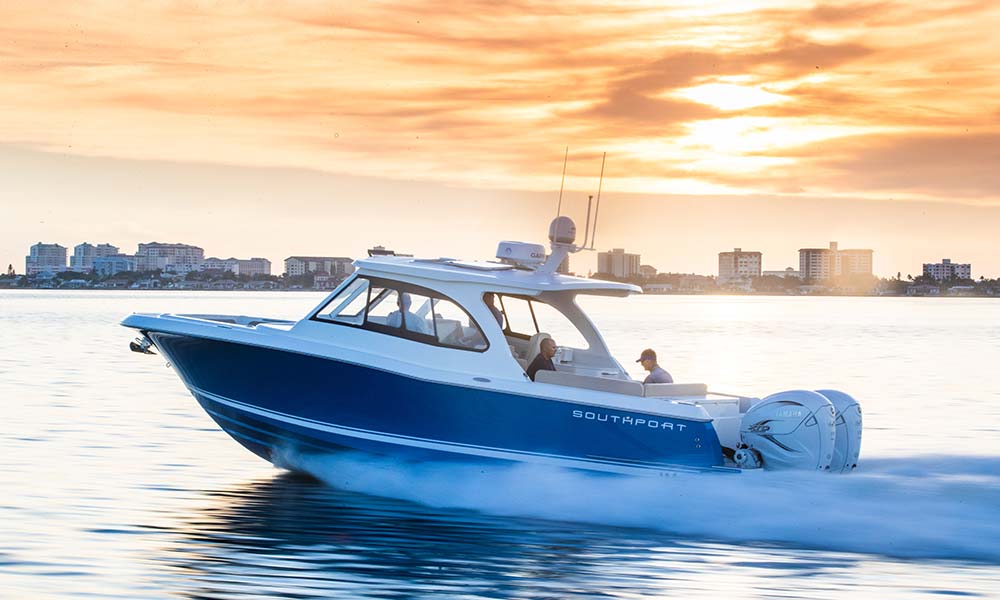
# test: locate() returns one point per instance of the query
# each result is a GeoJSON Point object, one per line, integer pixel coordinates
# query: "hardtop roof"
{"type": "Point", "coordinates": [492, 276]}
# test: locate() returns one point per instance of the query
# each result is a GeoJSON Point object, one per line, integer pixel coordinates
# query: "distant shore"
{"type": "Point", "coordinates": [678, 293]}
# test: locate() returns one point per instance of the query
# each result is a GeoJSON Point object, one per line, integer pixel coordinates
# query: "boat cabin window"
{"type": "Point", "coordinates": [524, 317]}
{"type": "Point", "coordinates": [403, 310]}
{"type": "Point", "coordinates": [349, 305]}
{"type": "Point", "coordinates": [400, 310]}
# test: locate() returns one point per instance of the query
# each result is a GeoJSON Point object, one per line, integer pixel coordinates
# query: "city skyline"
{"type": "Point", "coordinates": [774, 125]}
{"type": "Point", "coordinates": [739, 264]}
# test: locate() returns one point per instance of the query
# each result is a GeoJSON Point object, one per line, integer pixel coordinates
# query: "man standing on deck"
{"type": "Point", "coordinates": [543, 362]}
{"type": "Point", "coordinates": [657, 374]}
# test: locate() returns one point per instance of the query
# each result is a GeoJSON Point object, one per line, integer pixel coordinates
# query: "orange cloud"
{"type": "Point", "coordinates": [489, 93]}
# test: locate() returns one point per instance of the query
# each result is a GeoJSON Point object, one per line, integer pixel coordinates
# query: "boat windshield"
{"type": "Point", "coordinates": [524, 317]}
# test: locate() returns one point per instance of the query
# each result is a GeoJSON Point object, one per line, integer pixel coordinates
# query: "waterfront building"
{"type": "Point", "coordinates": [854, 262]}
{"type": "Point", "coordinates": [946, 270]}
{"type": "Point", "coordinates": [658, 288]}
{"type": "Point", "coordinates": [330, 265]}
{"type": "Point", "coordinates": [220, 264]}
{"type": "Point", "coordinates": [788, 272]}
{"type": "Point", "coordinates": [108, 266]}
{"type": "Point", "coordinates": [254, 266]}
{"type": "Point", "coordinates": [618, 263]}
{"type": "Point", "coordinates": [383, 251]}
{"type": "Point", "coordinates": [696, 283]}
{"type": "Point", "coordinates": [238, 266]}
{"type": "Point", "coordinates": [819, 264]}
{"type": "Point", "coordinates": [85, 253]}
{"type": "Point", "coordinates": [45, 258]}
{"type": "Point", "coordinates": [327, 282]}
{"type": "Point", "coordinates": [175, 258]}
{"type": "Point", "coordinates": [738, 265]}
{"type": "Point", "coordinates": [647, 271]}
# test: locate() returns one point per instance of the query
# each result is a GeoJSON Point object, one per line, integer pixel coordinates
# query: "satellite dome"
{"type": "Point", "coordinates": [562, 231]}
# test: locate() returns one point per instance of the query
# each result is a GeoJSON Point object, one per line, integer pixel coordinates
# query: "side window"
{"type": "Point", "coordinates": [391, 308]}
{"type": "Point", "coordinates": [455, 328]}
{"type": "Point", "coordinates": [384, 302]}
{"type": "Point", "coordinates": [403, 311]}
{"type": "Point", "coordinates": [349, 305]}
{"type": "Point", "coordinates": [519, 318]}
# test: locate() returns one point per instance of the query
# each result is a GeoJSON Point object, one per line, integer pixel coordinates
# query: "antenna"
{"type": "Point", "coordinates": [565, 160]}
{"type": "Point", "coordinates": [600, 181]}
{"type": "Point", "coordinates": [586, 228]}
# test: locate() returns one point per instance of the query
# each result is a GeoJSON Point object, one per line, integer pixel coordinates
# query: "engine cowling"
{"type": "Point", "coordinates": [847, 447]}
{"type": "Point", "coordinates": [791, 430]}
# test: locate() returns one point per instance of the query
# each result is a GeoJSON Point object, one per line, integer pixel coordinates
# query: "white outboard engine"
{"type": "Point", "coordinates": [847, 448]}
{"type": "Point", "coordinates": [788, 430]}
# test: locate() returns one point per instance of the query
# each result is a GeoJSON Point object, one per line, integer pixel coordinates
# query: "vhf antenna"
{"type": "Point", "coordinates": [563, 182]}
{"type": "Point", "coordinates": [588, 237]}
{"type": "Point", "coordinates": [600, 181]}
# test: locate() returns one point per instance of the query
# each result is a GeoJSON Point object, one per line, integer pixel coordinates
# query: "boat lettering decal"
{"type": "Point", "coordinates": [628, 420]}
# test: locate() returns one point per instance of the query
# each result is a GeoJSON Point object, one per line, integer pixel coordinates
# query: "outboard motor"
{"type": "Point", "coordinates": [788, 430]}
{"type": "Point", "coordinates": [847, 448]}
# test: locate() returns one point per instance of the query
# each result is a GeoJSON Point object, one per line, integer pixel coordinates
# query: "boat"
{"type": "Point", "coordinates": [424, 359]}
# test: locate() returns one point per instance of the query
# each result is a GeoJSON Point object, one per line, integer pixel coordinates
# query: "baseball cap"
{"type": "Point", "coordinates": [647, 354]}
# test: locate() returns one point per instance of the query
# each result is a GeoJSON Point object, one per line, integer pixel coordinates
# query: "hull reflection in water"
{"type": "Point", "coordinates": [294, 536]}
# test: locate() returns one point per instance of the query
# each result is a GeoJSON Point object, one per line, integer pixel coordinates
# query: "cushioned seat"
{"type": "Point", "coordinates": [667, 390]}
{"type": "Point", "coordinates": [599, 384]}
{"type": "Point", "coordinates": [535, 346]}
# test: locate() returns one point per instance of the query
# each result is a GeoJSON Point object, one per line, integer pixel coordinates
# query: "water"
{"type": "Point", "coordinates": [114, 483]}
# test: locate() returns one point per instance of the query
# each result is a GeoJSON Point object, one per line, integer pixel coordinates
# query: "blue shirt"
{"type": "Point", "coordinates": [658, 375]}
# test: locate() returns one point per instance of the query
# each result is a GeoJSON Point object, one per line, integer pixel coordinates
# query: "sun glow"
{"type": "Point", "coordinates": [746, 135]}
{"type": "Point", "coordinates": [727, 96]}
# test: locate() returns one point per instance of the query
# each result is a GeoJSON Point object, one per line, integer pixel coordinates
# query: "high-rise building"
{"type": "Point", "coordinates": [946, 269]}
{"type": "Point", "coordinates": [106, 266]}
{"type": "Point", "coordinates": [253, 266]}
{"type": "Point", "coordinates": [825, 263]}
{"type": "Point", "coordinates": [45, 258]}
{"type": "Point", "coordinates": [331, 265]}
{"type": "Point", "coordinates": [738, 265]}
{"type": "Point", "coordinates": [175, 258]}
{"type": "Point", "coordinates": [85, 253]}
{"type": "Point", "coordinates": [619, 263]}
{"type": "Point", "coordinates": [854, 262]}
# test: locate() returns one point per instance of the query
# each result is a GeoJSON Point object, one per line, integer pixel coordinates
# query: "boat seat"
{"type": "Point", "coordinates": [523, 363]}
{"type": "Point", "coordinates": [598, 384]}
{"type": "Point", "coordinates": [665, 390]}
{"type": "Point", "coordinates": [535, 346]}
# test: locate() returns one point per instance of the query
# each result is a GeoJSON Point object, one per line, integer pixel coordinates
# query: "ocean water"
{"type": "Point", "coordinates": [114, 483]}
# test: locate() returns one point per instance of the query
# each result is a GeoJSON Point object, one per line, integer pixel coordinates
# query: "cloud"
{"type": "Point", "coordinates": [490, 91]}
{"type": "Point", "coordinates": [963, 164]}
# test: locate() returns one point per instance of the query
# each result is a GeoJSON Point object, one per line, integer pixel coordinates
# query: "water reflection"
{"type": "Point", "coordinates": [293, 536]}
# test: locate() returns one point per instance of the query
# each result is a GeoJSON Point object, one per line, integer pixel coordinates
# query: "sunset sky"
{"type": "Point", "coordinates": [281, 128]}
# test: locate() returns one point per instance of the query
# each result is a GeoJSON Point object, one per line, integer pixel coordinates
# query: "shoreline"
{"type": "Point", "coordinates": [714, 294]}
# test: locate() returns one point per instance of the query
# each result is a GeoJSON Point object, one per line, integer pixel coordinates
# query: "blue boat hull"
{"type": "Point", "coordinates": [271, 400]}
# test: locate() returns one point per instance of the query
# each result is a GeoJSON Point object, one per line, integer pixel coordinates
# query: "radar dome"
{"type": "Point", "coordinates": [562, 231]}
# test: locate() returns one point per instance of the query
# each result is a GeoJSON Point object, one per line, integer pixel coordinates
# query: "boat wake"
{"type": "Point", "coordinates": [945, 507]}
